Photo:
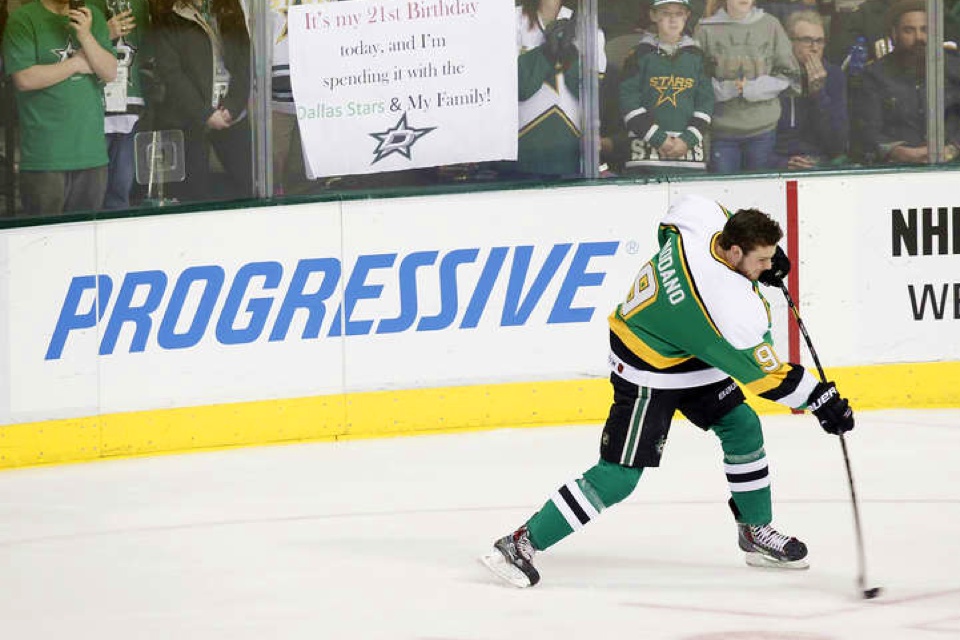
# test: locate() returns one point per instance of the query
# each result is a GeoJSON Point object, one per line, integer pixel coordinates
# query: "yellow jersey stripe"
{"type": "Point", "coordinates": [769, 381]}
{"type": "Point", "coordinates": [641, 348]}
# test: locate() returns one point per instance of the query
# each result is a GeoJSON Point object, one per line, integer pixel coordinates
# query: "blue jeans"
{"type": "Point", "coordinates": [743, 153]}
{"type": "Point", "coordinates": [120, 174]}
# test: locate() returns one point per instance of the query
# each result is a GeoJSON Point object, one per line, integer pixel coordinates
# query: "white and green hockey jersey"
{"type": "Point", "coordinates": [690, 319]}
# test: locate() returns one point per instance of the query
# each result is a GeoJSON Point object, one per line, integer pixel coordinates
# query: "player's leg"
{"type": "Point", "coordinates": [633, 438]}
{"type": "Point", "coordinates": [721, 407]}
{"type": "Point", "coordinates": [573, 506]}
{"type": "Point", "coordinates": [745, 464]}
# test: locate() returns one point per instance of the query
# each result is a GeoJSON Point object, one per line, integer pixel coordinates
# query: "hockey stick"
{"type": "Point", "coordinates": [872, 592]}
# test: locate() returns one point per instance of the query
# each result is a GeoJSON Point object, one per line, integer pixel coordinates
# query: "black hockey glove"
{"type": "Point", "coordinates": [779, 268]}
{"type": "Point", "coordinates": [833, 412]}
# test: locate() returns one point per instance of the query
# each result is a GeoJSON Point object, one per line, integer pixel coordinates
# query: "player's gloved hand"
{"type": "Point", "coordinates": [779, 268]}
{"type": "Point", "coordinates": [833, 412]}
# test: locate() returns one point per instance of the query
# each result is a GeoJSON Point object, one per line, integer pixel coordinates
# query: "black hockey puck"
{"type": "Point", "coordinates": [870, 594]}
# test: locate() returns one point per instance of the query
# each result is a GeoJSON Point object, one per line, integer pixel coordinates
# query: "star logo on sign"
{"type": "Point", "coordinates": [399, 139]}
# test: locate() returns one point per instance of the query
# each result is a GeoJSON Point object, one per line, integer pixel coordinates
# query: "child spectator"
{"type": "Point", "coordinates": [666, 98]}
{"type": "Point", "coordinates": [814, 127]}
{"type": "Point", "coordinates": [751, 62]}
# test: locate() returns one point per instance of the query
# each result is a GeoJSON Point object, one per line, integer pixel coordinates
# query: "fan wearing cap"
{"type": "Point", "coordinates": [894, 99]}
{"type": "Point", "coordinates": [666, 97]}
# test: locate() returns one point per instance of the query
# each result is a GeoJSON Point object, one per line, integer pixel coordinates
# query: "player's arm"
{"type": "Point", "coordinates": [760, 370]}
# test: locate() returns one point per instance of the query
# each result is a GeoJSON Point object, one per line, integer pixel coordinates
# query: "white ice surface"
{"type": "Point", "coordinates": [379, 539]}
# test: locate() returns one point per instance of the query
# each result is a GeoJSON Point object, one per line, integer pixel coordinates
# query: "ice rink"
{"type": "Point", "coordinates": [379, 539]}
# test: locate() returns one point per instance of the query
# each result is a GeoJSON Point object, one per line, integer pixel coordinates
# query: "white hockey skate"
{"type": "Point", "coordinates": [764, 546]}
{"type": "Point", "coordinates": [511, 559]}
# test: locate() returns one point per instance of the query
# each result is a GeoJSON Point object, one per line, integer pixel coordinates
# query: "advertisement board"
{"type": "Point", "coordinates": [409, 315]}
{"type": "Point", "coordinates": [880, 267]}
{"type": "Point", "coordinates": [151, 313]}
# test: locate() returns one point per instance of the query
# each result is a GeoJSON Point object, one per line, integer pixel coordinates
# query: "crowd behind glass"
{"type": "Point", "coordinates": [686, 87]}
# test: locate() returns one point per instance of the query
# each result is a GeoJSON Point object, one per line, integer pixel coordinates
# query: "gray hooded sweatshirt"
{"type": "Point", "coordinates": [757, 50]}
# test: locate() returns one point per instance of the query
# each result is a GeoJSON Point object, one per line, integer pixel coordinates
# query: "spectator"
{"type": "Point", "coordinates": [203, 59]}
{"type": "Point", "coordinates": [868, 20]}
{"type": "Point", "coordinates": [751, 62]}
{"type": "Point", "coordinates": [665, 96]}
{"type": "Point", "coordinates": [290, 175]}
{"type": "Point", "coordinates": [632, 26]}
{"type": "Point", "coordinates": [57, 57]}
{"type": "Point", "coordinates": [128, 24]}
{"type": "Point", "coordinates": [549, 89]}
{"type": "Point", "coordinates": [894, 104]}
{"type": "Point", "coordinates": [814, 127]}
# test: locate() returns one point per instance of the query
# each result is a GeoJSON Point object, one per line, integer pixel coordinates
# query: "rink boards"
{"type": "Point", "coordinates": [428, 314]}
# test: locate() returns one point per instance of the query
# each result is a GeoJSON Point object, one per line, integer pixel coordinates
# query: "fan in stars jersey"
{"type": "Point", "coordinates": [58, 57]}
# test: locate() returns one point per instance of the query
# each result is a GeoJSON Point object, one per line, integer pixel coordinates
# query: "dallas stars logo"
{"type": "Point", "coordinates": [65, 53]}
{"type": "Point", "coordinates": [399, 139]}
{"type": "Point", "coordinates": [669, 87]}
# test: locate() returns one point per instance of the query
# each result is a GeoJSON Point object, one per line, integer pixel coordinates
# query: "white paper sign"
{"type": "Point", "coordinates": [386, 85]}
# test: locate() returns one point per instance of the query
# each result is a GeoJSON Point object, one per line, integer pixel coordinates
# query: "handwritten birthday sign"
{"type": "Point", "coordinates": [385, 85]}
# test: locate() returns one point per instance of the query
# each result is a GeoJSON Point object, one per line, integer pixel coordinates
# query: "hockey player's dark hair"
{"type": "Point", "coordinates": [749, 229]}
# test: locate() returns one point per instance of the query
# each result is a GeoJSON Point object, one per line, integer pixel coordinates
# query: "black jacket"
{"type": "Point", "coordinates": [185, 66]}
{"type": "Point", "coordinates": [893, 106]}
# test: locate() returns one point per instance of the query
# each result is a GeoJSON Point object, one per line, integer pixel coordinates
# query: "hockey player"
{"type": "Point", "coordinates": [693, 320]}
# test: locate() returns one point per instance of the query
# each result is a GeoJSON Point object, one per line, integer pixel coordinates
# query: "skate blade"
{"type": "Point", "coordinates": [498, 565]}
{"type": "Point", "coordinates": [766, 562]}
